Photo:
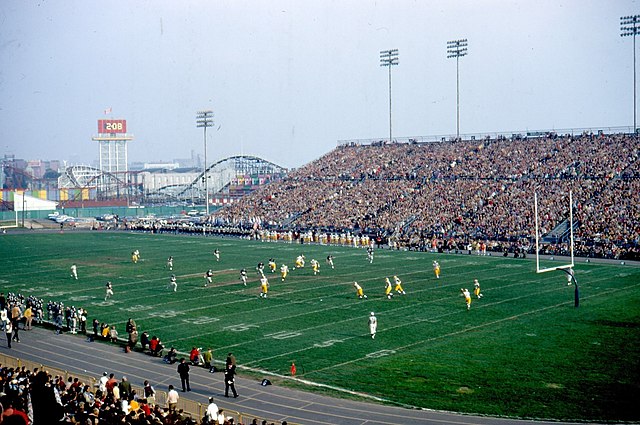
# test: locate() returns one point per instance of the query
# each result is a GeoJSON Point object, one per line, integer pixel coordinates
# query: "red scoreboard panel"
{"type": "Point", "coordinates": [112, 126]}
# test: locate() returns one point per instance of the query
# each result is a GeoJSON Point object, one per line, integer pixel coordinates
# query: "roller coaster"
{"type": "Point", "coordinates": [229, 177]}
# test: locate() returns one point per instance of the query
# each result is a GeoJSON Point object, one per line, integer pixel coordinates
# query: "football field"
{"type": "Point", "coordinates": [522, 350]}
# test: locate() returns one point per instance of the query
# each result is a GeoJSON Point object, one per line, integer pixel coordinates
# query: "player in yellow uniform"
{"type": "Point", "coordinates": [135, 256]}
{"type": "Point", "coordinates": [272, 265]}
{"type": "Point", "coordinates": [398, 285]}
{"type": "Point", "coordinates": [476, 289]}
{"type": "Point", "coordinates": [387, 288]}
{"type": "Point", "coordinates": [299, 262]}
{"type": "Point", "coordinates": [315, 266]}
{"type": "Point", "coordinates": [284, 270]}
{"type": "Point", "coordinates": [436, 269]}
{"type": "Point", "coordinates": [467, 297]}
{"type": "Point", "coordinates": [264, 287]}
{"type": "Point", "coordinates": [359, 291]}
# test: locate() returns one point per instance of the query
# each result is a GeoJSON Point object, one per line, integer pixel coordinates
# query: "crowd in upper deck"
{"type": "Point", "coordinates": [463, 191]}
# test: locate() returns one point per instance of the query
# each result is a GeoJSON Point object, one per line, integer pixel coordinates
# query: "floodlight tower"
{"type": "Point", "coordinates": [457, 49]}
{"type": "Point", "coordinates": [389, 58]}
{"type": "Point", "coordinates": [204, 120]}
{"type": "Point", "coordinates": [629, 25]}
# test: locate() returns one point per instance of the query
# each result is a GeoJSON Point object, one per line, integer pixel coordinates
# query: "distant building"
{"type": "Point", "coordinates": [160, 165]}
{"type": "Point", "coordinates": [156, 179]}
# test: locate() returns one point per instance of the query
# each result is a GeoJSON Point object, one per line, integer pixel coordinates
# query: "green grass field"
{"type": "Point", "coordinates": [521, 351]}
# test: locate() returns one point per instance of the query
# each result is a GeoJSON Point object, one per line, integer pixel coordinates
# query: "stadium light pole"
{"type": "Point", "coordinates": [629, 26]}
{"type": "Point", "coordinates": [457, 49]}
{"type": "Point", "coordinates": [204, 120]}
{"type": "Point", "coordinates": [389, 58]}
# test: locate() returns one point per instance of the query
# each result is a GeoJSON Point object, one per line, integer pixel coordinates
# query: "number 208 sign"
{"type": "Point", "coordinates": [112, 126]}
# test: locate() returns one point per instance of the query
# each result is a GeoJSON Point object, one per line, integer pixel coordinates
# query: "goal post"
{"type": "Point", "coordinates": [537, 229]}
{"type": "Point", "coordinates": [566, 268]}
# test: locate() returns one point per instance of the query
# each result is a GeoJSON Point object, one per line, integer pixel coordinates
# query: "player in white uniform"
{"type": "Point", "coordinates": [373, 325]}
{"type": "Point", "coordinates": [170, 263]}
{"type": "Point", "coordinates": [243, 276]}
{"type": "Point", "coordinates": [569, 275]}
{"type": "Point", "coordinates": [109, 291]}
{"type": "Point", "coordinates": [173, 284]}
{"type": "Point", "coordinates": [216, 253]}
{"type": "Point", "coordinates": [208, 277]}
{"type": "Point", "coordinates": [370, 255]}
{"type": "Point", "coordinates": [74, 271]}
{"type": "Point", "coordinates": [330, 260]}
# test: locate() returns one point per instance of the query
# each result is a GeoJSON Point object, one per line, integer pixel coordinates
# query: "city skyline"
{"type": "Point", "coordinates": [287, 79]}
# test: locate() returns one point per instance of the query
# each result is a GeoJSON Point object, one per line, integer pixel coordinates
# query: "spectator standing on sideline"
{"type": "Point", "coordinates": [96, 327]}
{"type": "Point", "coordinates": [231, 360]}
{"type": "Point", "coordinates": [183, 371]}
{"type": "Point", "coordinates": [125, 388]}
{"type": "Point", "coordinates": [149, 393]}
{"type": "Point", "coordinates": [28, 317]}
{"type": "Point", "coordinates": [207, 357]}
{"type": "Point", "coordinates": [8, 329]}
{"type": "Point", "coordinates": [172, 399]}
{"type": "Point", "coordinates": [211, 414]}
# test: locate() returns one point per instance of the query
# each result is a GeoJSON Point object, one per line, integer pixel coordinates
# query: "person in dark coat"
{"type": "Point", "coordinates": [183, 371]}
{"type": "Point", "coordinates": [229, 380]}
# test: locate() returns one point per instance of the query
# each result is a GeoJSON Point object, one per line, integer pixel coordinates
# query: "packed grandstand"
{"type": "Point", "coordinates": [457, 194]}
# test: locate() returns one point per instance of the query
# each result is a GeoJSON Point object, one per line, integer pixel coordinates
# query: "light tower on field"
{"type": "Point", "coordinates": [457, 49]}
{"type": "Point", "coordinates": [204, 120]}
{"type": "Point", "coordinates": [389, 58]}
{"type": "Point", "coordinates": [630, 26]}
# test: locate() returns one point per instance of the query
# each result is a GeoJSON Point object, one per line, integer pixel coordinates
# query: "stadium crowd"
{"type": "Point", "coordinates": [462, 193]}
{"type": "Point", "coordinates": [38, 397]}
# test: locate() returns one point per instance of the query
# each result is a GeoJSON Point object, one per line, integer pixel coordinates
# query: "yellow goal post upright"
{"type": "Point", "coordinates": [566, 268]}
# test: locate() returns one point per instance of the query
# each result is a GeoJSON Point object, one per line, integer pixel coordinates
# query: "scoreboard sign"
{"type": "Point", "coordinates": [112, 126]}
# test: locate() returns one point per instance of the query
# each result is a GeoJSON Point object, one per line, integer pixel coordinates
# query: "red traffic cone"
{"type": "Point", "coordinates": [293, 369]}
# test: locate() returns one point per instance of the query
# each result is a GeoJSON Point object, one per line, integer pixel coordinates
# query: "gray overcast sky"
{"type": "Point", "coordinates": [287, 79]}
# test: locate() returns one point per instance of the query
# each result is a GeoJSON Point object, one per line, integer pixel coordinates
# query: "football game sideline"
{"type": "Point", "coordinates": [318, 322]}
